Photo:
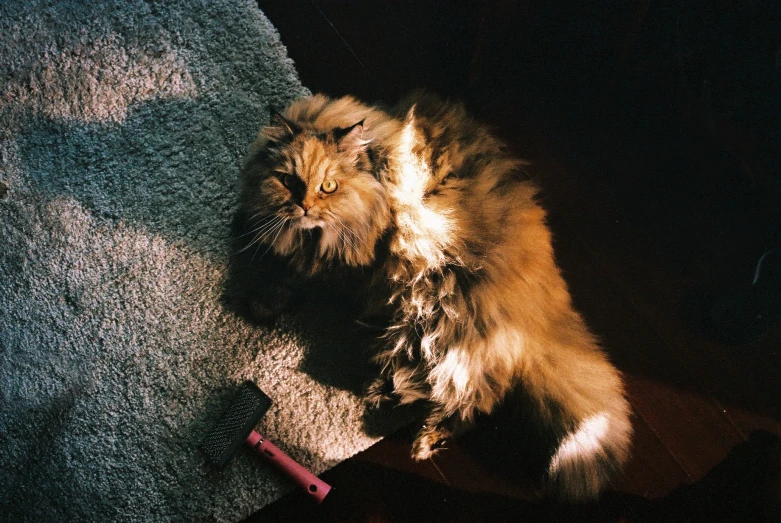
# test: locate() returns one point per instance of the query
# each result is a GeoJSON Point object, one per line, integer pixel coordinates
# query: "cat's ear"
{"type": "Point", "coordinates": [349, 140]}
{"type": "Point", "coordinates": [280, 128]}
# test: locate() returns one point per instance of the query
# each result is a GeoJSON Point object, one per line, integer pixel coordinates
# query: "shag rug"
{"type": "Point", "coordinates": [122, 130]}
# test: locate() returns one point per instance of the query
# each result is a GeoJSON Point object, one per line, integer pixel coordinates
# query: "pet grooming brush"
{"type": "Point", "coordinates": [237, 426]}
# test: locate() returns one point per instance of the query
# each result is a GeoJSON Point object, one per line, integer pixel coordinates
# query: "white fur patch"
{"type": "Point", "coordinates": [583, 445]}
{"type": "Point", "coordinates": [424, 232]}
{"type": "Point", "coordinates": [457, 369]}
{"type": "Point", "coordinates": [452, 381]}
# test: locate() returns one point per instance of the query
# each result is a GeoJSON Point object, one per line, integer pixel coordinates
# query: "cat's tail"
{"type": "Point", "coordinates": [580, 396]}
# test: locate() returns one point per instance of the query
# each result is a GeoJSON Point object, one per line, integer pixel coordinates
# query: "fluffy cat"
{"type": "Point", "coordinates": [455, 254]}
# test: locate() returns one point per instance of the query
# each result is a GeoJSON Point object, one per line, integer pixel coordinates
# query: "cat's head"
{"type": "Point", "coordinates": [305, 185]}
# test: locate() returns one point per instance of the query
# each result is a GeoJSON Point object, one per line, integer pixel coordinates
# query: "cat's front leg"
{"type": "Point", "coordinates": [429, 441]}
{"type": "Point", "coordinates": [401, 381]}
{"type": "Point", "coordinates": [268, 303]}
{"type": "Point", "coordinates": [438, 429]}
{"type": "Point", "coordinates": [379, 391]}
{"type": "Point", "coordinates": [268, 287]}
{"type": "Point", "coordinates": [260, 284]}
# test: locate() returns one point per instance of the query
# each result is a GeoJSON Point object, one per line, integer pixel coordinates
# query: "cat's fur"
{"type": "Point", "coordinates": [459, 257]}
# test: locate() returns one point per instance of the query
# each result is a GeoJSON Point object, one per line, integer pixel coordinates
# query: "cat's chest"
{"type": "Point", "coordinates": [425, 229]}
{"type": "Point", "coordinates": [424, 225]}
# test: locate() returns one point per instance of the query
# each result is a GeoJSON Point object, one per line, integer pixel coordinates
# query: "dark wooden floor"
{"type": "Point", "coordinates": [659, 204]}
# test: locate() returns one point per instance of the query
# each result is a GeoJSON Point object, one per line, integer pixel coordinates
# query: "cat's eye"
{"type": "Point", "coordinates": [330, 185]}
{"type": "Point", "coordinates": [288, 180]}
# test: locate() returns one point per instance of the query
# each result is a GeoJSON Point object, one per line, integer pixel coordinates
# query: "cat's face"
{"type": "Point", "coordinates": [315, 186]}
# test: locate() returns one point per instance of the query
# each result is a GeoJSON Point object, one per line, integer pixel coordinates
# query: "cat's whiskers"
{"type": "Point", "coordinates": [341, 230]}
{"type": "Point", "coordinates": [345, 228]}
{"type": "Point", "coordinates": [268, 231]}
{"type": "Point", "coordinates": [278, 230]}
{"type": "Point", "coordinates": [257, 226]}
{"type": "Point", "coordinates": [272, 227]}
{"type": "Point", "coordinates": [263, 231]}
{"type": "Point", "coordinates": [346, 239]}
{"type": "Point", "coordinates": [261, 214]}
{"type": "Point", "coordinates": [260, 217]}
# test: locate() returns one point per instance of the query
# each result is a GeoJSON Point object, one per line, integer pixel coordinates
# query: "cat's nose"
{"type": "Point", "coordinates": [306, 206]}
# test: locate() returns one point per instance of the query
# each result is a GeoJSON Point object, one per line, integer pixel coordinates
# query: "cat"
{"type": "Point", "coordinates": [443, 227]}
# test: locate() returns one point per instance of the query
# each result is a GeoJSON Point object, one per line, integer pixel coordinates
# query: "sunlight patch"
{"type": "Point", "coordinates": [424, 231]}
{"type": "Point", "coordinates": [98, 82]}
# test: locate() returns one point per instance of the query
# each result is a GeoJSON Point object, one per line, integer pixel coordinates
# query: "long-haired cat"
{"type": "Point", "coordinates": [441, 218]}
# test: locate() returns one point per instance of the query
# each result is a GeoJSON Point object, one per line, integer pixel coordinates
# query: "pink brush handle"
{"type": "Point", "coordinates": [313, 485]}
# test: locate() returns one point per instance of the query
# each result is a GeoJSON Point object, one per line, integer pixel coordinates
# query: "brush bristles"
{"type": "Point", "coordinates": [236, 424]}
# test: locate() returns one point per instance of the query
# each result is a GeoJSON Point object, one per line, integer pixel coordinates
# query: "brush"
{"type": "Point", "coordinates": [237, 426]}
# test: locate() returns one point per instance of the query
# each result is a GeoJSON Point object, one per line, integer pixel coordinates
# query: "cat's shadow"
{"type": "Point", "coordinates": [339, 350]}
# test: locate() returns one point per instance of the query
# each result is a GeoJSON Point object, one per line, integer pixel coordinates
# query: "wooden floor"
{"type": "Point", "coordinates": [656, 212]}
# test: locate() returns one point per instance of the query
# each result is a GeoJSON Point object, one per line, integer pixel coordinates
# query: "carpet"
{"type": "Point", "coordinates": [122, 130]}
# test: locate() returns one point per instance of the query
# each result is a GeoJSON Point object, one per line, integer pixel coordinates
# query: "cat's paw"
{"type": "Point", "coordinates": [262, 312]}
{"type": "Point", "coordinates": [428, 442]}
{"type": "Point", "coordinates": [265, 304]}
{"type": "Point", "coordinates": [378, 392]}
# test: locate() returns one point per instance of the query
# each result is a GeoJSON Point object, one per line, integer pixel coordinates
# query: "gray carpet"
{"type": "Point", "coordinates": [122, 129]}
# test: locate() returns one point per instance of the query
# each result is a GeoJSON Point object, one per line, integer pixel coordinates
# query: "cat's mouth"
{"type": "Point", "coordinates": [307, 222]}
